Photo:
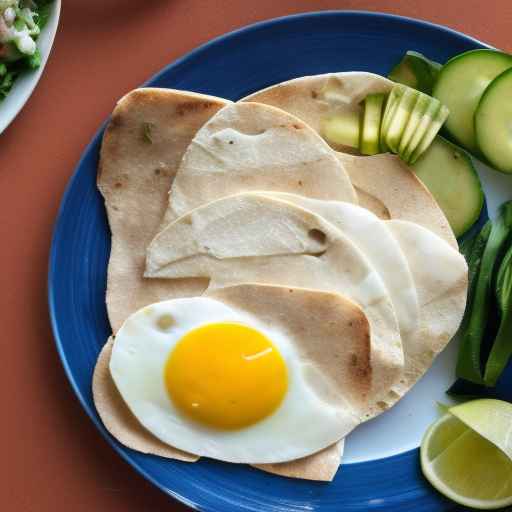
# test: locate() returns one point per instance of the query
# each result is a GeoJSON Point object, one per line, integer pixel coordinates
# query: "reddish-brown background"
{"type": "Point", "coordinates": [52, 458]}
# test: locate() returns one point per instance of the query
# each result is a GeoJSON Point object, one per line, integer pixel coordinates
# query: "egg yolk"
{"type": "Point", "coordinates": [226, 376]}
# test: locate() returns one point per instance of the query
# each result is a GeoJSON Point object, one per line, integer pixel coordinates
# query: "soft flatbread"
{"type": "Point", "coordinates": [321, 466]}
{"type": "Point", "coordinates": [440, 274]}
{"type": "Point", "coordinates": [249, 146]}
{"type": "Point", "coordinates": [387, 186]}
{"type": "Point", "coordinates": [384, 183]}
{"type": "Point", "coordinates": [141, 150]}
{"type": "Point", "coordinates": [142, 147]}
{"type": "Point", "coordinates": [315, 98]}
{"type": "Point", "coordinates": [376, 241]}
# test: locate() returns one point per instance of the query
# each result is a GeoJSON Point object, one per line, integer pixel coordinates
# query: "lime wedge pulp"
{"type": "Point", "coordinates": [464, 454]}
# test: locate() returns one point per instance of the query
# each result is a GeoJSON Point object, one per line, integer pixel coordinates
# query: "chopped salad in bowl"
{"type": "Point", "coordinates": [21, 22]}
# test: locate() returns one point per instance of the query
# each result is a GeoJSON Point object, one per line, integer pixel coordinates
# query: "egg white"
{"type": "Point", "coordinates": [303, 424]}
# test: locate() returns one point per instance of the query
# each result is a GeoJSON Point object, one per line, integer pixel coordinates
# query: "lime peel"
{"type": "Point", "coordinates": [492, 419]}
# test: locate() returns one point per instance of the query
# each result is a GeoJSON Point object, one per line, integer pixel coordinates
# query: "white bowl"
{"type": "Point", "coordinates": [25, 84]}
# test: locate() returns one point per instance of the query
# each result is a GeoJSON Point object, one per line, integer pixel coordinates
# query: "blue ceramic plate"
{"type": "Point", "coordinates": [382, 469]}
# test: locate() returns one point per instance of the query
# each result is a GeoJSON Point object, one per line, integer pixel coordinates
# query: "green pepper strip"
{"type": "Point", "coordinates": [466, 246]}
{"type": "Point", "coordinates": [502, 346]}
{"type": "Point", "coordinates": [477, 310]}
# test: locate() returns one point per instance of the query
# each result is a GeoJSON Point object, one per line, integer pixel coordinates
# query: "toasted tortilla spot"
{"type": "Point", "coordinates": [373, 204]}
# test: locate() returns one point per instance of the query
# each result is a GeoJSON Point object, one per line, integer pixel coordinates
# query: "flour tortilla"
{"type": "Point", "coordinates": [119, 420]}
{"type": "Point", "coordinates": [249, 146]}
{"type": "Point", "coordinates": [384, 183]}
{"type": "Point", "coordinates": [376, 241]}
{"type": "Point", "coordinates": [315, 98]}
{"type": "Point", "coordinates": [321, 466]}
{"type": "Point", "coordinates": [141, 150]}
{"type": "Point", "coordinates": [266, 240]}
{"type": "Point", "coordinates": [386, 186]}
{"type": "Point", "coordinates": [440, 274]}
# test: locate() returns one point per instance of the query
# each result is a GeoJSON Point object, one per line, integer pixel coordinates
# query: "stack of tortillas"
{"type": "Point", "coordinates": [203, 194]}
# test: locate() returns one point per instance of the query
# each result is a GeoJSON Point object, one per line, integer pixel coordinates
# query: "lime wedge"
{"type": "Point", "coordinates": [464, 454]}
{"type": "Point", "coordinates": [492, 419]}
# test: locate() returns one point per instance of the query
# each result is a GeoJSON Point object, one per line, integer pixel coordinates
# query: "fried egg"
{"type": "Point", "coordinates": [216, 381]}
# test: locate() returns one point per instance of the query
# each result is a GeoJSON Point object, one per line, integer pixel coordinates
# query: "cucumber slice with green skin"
{"type": "Point", "coordinates": [427, 119]}
{"type": "Point", "coordinates": [460, 85]}
{"type": "Point", "coordinates": [417, 114]}
{"type": "Point", "coordinates": [391, 105]}
{"type": "Point", "coordinates": [342, 130]}
{"type": "Point", "coordinates": [447, 171]}
{"type": "Point", "coordinates": [370, 130]}
{"type": "Point", "coordinates": [433, 129]}
{"type": "Point", "coordinates": [400, 118]}
{"type": "Point", "coordinates": [493, 122]}
{"type": "Point", "coordinates": [416, 71]}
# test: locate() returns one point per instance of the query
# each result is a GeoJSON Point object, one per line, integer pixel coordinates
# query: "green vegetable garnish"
{"type": "Point", "coordinates": [34, 61]}
{"type": "Point", "coordinates": [477, 310]}
{"type": "Point", "coordinates": [147, 129]}
{"type": "Point", "coordinates": [19, 24]}
{"type": "Point", "coordinates": [43, 13]}
{"type": "Point", "coordinates": [474, 255]}
{"type": "Point", "coordinates": [502, 347]}
{"type": "Point", "coordinates": [466, 246]}
{"type": "Point", "coordinates": [6, 83]}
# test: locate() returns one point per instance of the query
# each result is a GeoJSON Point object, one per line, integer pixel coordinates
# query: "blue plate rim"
{"type": "Point", "coordinates": [96, 139]}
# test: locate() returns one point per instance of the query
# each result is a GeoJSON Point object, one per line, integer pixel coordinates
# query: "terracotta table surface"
{"type": "Point", "coordinates": [53, 459]}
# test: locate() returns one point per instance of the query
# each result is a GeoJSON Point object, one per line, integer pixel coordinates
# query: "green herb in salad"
{"type": "Point", "coordinates": [21, 22]}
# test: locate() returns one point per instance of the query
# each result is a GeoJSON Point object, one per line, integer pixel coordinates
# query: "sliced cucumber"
{"type": "Point", "coordinates": [460, 85]}
{"type": "Point", "coordinates": [427, 119]}
{"type": "Point", "coordinates": [433, 129]}
{"type": "Point", "coordinates": [342, 130]}
{"type": "Point", "coordinates": [414, 121]}
{"type": "Point", "coordinates": [416, 71]}
{"type": "Point", "coordinates": [493, 122]}
{"type": "Point", "coordinates": [447, 171]}
{"type": "Point", "coordinates": [391, 105]}
{"type": "Point", "coordinates": [370, 130]}
{"type": "Point", "coordinates": [400, 118]}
